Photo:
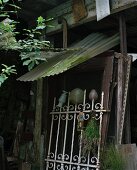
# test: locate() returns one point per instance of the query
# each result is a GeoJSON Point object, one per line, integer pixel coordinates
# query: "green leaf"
{"type": "Point", "coordinates": [27, 62]}
{"type": "Point", "coordinates": [40, 20]}
{"type": "Point", "coordinates": [41, 27]}
{"type": "Point", "coordinates": [5, 1]}
{"type": "Point", "coordinates": [2, 79]}
{"type": "Point", "coordinates": [49, 19]}
{"type": "Point", "coordinates": [50, 26]}
{"type": "Point", "coordinates": [31, 65]}
{"type": "Point", "coordinates": [4, 15]}
{"type": "Point", "coordinates": [37, 62]}
{"type": "Point", "coordinates": [4, 65]}
{"type": "Point", "coordinates": [15, 6]}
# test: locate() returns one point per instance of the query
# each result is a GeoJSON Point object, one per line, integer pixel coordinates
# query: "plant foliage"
{"type": "Point", "coordinates": [112, 159]}
{"type": "Point", "coordinates": [30, 47]}
{"type": "Point", "coordinates": [90, 137]}
{"type": "Point", "coordinates": [6, 71]}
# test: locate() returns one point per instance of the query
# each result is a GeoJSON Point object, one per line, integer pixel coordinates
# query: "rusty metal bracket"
{"type": "Point", "coordinates": [120, 135]}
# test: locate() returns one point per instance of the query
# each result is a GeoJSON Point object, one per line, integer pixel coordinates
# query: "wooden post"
{"type": "Point", "coordinates": [38, 117]}
{"type": "Point", "coordinates": [123, 37]}
{"type": "Point", "coordinates": [120, 78]}
{"type": "Point", "coordinates": [119, 92]}
{"type": "Point", "coordinates": [107, 78]}
{"type": "Point", "coordinates": [65, 32]}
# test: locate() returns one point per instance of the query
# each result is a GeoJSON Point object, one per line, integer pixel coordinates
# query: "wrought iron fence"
{"type": "Point", "coordinates": [65, 139]}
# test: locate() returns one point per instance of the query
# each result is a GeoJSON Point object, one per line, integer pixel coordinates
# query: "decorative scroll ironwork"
{"type": "Point", "coordinates": [65, 146]}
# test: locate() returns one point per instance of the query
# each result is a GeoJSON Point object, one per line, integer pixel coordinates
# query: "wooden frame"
{"type": "Point", "coordinates": [104, 63]}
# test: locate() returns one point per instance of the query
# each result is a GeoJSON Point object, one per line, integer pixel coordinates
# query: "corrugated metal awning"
{"type": "Point", "coordinates": [91, 46]}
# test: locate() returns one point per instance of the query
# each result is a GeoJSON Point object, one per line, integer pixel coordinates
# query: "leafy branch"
{"type": "Point", "coordinates": [7, 26]}
{"type": "Point", "coordinates": [29, 48]}
{"type": "Point", "coordinates": [6, 72]}
{"type": "Point", "coordinates": [32, 45]}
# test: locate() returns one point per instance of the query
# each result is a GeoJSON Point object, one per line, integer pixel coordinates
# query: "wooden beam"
{"type": "Point", "coordinates": [65, 10]}
{"type": "Point", "coordinates": [107, 79]}
{"type": "Point", "coordinates": [120, 74]}
{"type": "Point", "coordinates": [119, 92]}
{"type": "Point", "coordinates": [65, 33]}
{"type": "Point", "coordinates": [123, 34]}
{"type": "Point", "coordinates": [38, 117]}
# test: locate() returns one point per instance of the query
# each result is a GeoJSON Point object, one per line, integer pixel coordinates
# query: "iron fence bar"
{"type": "Point", "coordinates": [71, 163]}
{"type": "Point", "coordinates": [80, 146]}
{"type": "Point", "coordinates": [59, 161]}
{"type": "Point", "coordinates": [100, 130]}
{"type": "Point", "coordinates": [84, 100]}
{"type": "Point", "coordinates": [72, 141]}
{"type": "Point", "coordinates": [81, 134]}
{"type": "Point", "coordinates": [51, 128]}
{"type": "Point", "coordinates": [77, 111]}
{"type": "Point", "coordinates": [84, 109]}
{"type": "Point", "coordinates": [88, 160]}
{"type": "Point", "coordinates": [54, 104]}
{"type": "Point", "coordinates": [66, 127]}
{"type": "Point", "coordinates": [56, 148]}
{"type": "Point", "coordinates": [64, 145]}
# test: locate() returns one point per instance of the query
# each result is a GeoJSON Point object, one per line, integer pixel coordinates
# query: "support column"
{"type": "Point", "coordinates": [38, 117]}
{"type": "Point", "coordinates": [120, 78]}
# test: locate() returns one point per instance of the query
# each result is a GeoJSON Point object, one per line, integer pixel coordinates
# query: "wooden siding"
{"type": "Point", "coordinates": [65, 10]}
{"type": "Point", "coordinates": [129, 151]}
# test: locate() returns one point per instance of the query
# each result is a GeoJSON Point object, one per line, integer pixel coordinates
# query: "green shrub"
{"type": "Point", "coordinates": [90, 137]}
{"type": "Point", "coordinates": [112, 159]}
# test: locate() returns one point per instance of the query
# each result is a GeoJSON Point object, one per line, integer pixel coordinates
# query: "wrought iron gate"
{"type": "Point", "coordinates": [65, 142]}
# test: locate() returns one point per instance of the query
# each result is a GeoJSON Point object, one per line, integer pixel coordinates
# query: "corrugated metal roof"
{"type": "Point", "coordinates": [92, 45]}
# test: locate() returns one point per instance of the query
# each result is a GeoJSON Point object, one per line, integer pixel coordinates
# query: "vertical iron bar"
{"type": "Point", "coordinates": [81, 134]}
{"type": "Point", "coordinates": [80, 146]}
{"type": "Point", "coordinates": [57, 141]}
{"type": "Point", "coordinates": [54, 104]}
{"type": "Point", "coordinates": [84, 109]}
{"type": "Point", "coordinates": [51, 129]}
{"type": "Point", "coordinates": [88, 160]}
{"type": "Point", "coordinates": [100, 129]}
{"type": "Point", "coordinates": [92, 107]}
{"type": "Point", "coordinates": [84, 100]}
{"type": "Point", "coordinates": [66, 127]}
{"type": "Point", "coordinates": [72, 141]}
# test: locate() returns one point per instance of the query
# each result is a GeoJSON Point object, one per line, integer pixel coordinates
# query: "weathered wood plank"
{"type": "Point", "coordinates": [65, 10]}
{"type": "Point", "coordinates": [119, 5]}
{"type": "Point", "coordinates": [38, 117]}
{"type": "Point", "coordinates": [119, 92]}
{"type": "Point", "coordinates": [79, 10]}
{"type": "Point", "coordinates": [126, 79]}
{"type": "Point", "coordinates": [123, 34]}
{"type": "Point", "coordinates": [107, 79]}
{"type": "Point", "coordinates": [129, 152]}
{"type": "Point", "coordinates": [26, 166]}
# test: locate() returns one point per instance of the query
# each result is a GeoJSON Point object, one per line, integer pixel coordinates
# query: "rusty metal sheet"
{"type": "Point", "coordinates": [91, 46]}
{"type": "Point", "coordinates": [79, 10]}
{"type": "Point", "coordinates": [102, 9]}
